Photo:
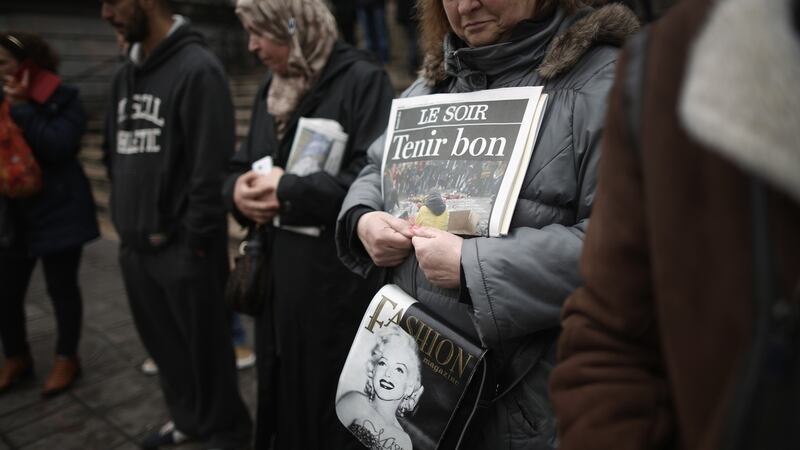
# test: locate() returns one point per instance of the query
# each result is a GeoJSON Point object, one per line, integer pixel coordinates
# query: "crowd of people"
{"type": "Point", "coordinates": [646, 296]}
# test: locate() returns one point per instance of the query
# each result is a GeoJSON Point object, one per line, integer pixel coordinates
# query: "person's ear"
{"type": "Point", "coordinates": [149, 6]}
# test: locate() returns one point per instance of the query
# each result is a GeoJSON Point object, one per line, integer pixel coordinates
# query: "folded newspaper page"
{"type": "Point", "coordinates": [318, 146]}
{"type": "Point", "coordinates": [456, 161]}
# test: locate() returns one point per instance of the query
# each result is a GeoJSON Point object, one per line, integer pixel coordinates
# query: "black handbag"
{"type": "Point", "coordinates": [246, 290]}
{"type": "Point", "coordinates": [431, 374]}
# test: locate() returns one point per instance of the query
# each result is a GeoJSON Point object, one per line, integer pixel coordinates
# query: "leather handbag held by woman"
{"type": "Point", "coordinates": [246, 290]}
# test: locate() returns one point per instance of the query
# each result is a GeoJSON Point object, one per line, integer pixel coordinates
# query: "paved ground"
{"type": "Point", "coordinates": [113, 404]}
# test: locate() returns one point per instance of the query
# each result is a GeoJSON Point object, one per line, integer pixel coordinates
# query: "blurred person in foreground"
{"type": "Point", "coordinates": [169, 133]}
{"type": "Point", "coordinates": [506, 291]}
{"type": "Point", "coordinates": [54, 224]}
{"type": "Point", "coordinates": [314, 304]}
{"type": "Point", "coordinates": [686, 333]}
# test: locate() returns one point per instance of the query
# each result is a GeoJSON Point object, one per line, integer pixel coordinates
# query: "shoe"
{"type": "Point", "coordinates": [65, 371]}
{"type": "Point", "coordinates": [167, 435]}
{"type": "Point", "coordinates": [149, 367]}
{"type": "Point", "coordinates": [245, 358]}
{"type": "Point", "coordinates": [15, 369]}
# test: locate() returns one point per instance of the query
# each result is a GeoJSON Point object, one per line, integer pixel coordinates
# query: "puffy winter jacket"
{"type": "Point", "coordinates": [516, 284]}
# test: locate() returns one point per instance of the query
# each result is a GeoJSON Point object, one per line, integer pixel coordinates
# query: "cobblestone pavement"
{"type": "Point", "coordinates": [113, 404]}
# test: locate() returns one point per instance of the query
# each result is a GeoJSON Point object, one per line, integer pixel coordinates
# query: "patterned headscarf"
{"type": "Point", "coordinates": [309, 29]}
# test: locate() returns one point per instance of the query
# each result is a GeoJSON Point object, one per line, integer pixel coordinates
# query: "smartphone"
{"type": "Point", "coordinates": [41, 82]}
{"type": "Point", "coordinates": [263, 166]}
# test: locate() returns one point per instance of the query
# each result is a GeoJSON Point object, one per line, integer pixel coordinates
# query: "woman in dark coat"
{"type": "Point", "coordinates": [505, 291]}
{"type": "Point", "coordinates": [314, 302]}
{"type": "Point", "coordinates": [53, 224]}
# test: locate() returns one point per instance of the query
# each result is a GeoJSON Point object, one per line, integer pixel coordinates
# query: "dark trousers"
{"type": "Point", "coordinates": [177, 302]}
{"type": "Point", "coordinates": [61, 279]}
{"type": "Point", "coordinates": [376, 35]}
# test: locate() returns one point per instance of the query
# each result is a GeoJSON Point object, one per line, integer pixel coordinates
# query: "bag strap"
{"type": "Point", "coordinates": [762, 293]}
{"type": "Point", "coordinates": [484, 394]}
{"type": "Point", "coordinates": [775, 328]}
{"type": "Point", "coordinates": [502, 390]}
{"type": "Point", "coordinates": [633, 87]}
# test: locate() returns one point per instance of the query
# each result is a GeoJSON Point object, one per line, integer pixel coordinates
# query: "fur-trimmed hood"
{"type": "Point", "coordinates": [608, 25]}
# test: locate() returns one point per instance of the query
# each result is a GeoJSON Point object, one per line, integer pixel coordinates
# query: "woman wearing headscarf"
{"type": "Point", "coordinates": [505, 291]}
{"type": "Point", "coordinates": [314, 304]}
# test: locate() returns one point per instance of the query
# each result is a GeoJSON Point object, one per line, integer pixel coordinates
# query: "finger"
{"type": "Point", "coordinates": [422, 250]}
{"type": "Point", "coordinates": [261, 219]}
{"type": "Point", "coordinates": [256, 205]}
{"type": "Point", "coordinates": [25, 77]}
{"type": "Point", "coordinates": [253, 215]}
{"type": "Point", "coordinates": [420, 242]}
{"type": "Point", "coordinates": [263, 194]}
{"type": "Point", "coordinates": [388, 261]}
{"type": "Point", "coordinates": [399, 225]}
{"type": "Point", "coordinates": [262, 186]}
{"type": "Point", "coordinates": [255, 189]}
{"type": "Point", "coordinates": [392, 239]}
{"type": "Point", "coordinates": [426, 232]}
{"type": "Point", "coordinates": [248, 177]}
{"type": "Point", "coordinates": [262, 216]}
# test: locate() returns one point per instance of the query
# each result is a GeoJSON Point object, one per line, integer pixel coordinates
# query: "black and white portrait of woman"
{"type": "Point", "coordinates": [393, 388]}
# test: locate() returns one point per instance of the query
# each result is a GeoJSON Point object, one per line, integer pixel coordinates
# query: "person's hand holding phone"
{"type": "Point", "coordinates": [15, 88]}
{"type": "Point", "coordinates": [31, 83]}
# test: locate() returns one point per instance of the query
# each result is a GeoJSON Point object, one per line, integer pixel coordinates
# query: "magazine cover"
{"type": "Point", "coordinates": [456, 161]}
{"type": "Point", "coordinates": [405, 375]}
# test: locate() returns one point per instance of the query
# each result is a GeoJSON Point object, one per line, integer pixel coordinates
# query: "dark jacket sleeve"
{"type": "Point", "coordinates": [365, 195]}
{"type": "Point", "coordinates": [208, 118]}
{"type": "Point", "coordinates": [53, 130]}
{"type": "Point", "coordinates": [609, 390]}
{"type": "Point", "coordinates": [315, 199]}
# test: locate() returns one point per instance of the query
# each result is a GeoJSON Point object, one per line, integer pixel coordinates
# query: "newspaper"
{"type": "Point", "coordinates": [457, 161]}
{"type": "Point", "coordinates": [318, 146]}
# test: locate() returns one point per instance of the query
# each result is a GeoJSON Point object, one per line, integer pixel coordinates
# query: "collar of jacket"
{"type": "Point", "coordinates": [180, 35]}
{"type": "Point", "coordinates": [555, 49]}
{"type": "Point", "coordinates": [474, 69]}
{"type": "Point", "coordinates": [740, 95]}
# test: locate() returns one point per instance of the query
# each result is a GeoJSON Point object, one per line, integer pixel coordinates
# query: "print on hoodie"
{"type": "Point", "coordinates": [145, 107]}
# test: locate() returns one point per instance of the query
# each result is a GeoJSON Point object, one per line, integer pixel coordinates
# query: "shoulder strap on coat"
{"type": "Point", "coordinates": [635, 68]}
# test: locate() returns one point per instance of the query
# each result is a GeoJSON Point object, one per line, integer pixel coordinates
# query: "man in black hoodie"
{"type": "Point", "coordinates": [169, 134]}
